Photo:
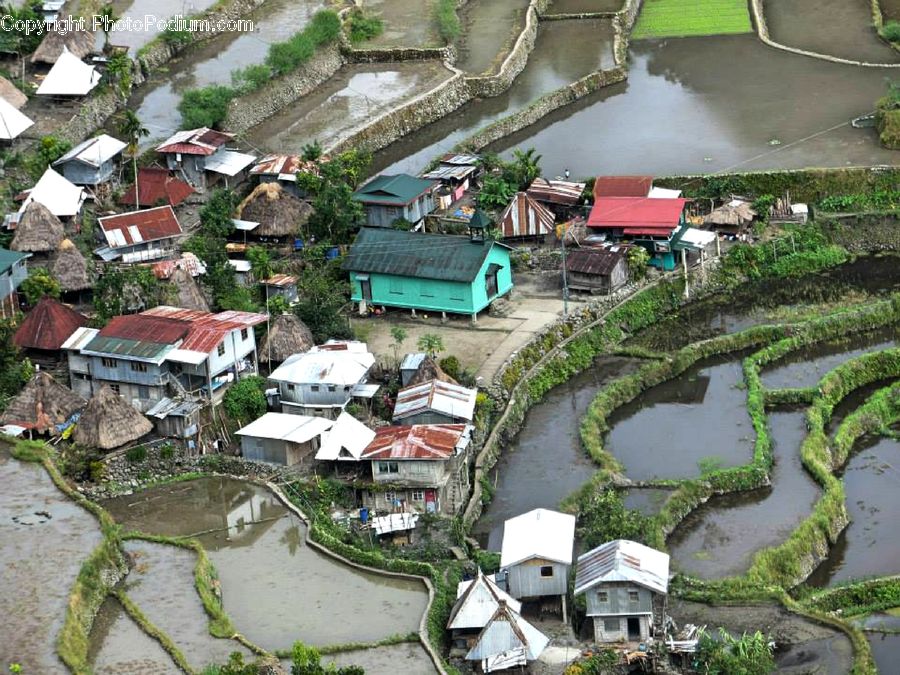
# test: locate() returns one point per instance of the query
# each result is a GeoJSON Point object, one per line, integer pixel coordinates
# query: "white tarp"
{"type": "Point", "coordinates": [94, 151]}
{"type": "Point", "coordinates": [62, 198]}
{"type": "Point", "coordinates": [12, 122]}
{"type": "Point", "coordinates": [228, 162]}
{"type": "Point", "coordinates": [69, 76]}
{"type": "Point", "coordinates": [395, 522]}
{"type": "Point", "coordinates": [697, 238]}
{"type": "Point", "coordinates": [663, 193]}
{"type": "Point", "coordinates": [346, 439]}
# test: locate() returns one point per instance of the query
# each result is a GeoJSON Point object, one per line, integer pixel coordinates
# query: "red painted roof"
{"type": "Point", "coordinates": [202, 141]}
{"type": "Point", "coordinates": [139, 226]}
{"type": "Point", "coordinates": [640, 212]}
{"type": "Point", "coordinates": [204, 330]}
{"type": "Point", "coordinates": [146, 329]}
{"type": "Point", "coordinates": [419, 441]}
{"type": "Point", "coordinates": [622, 186]}
{"type": "Point", "coordinates": [48, 325]}
{"type": "Point", "coordinates": [157, 186]}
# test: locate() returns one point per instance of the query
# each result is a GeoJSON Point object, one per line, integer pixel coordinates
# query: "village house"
{"type": "Point", "coordinates": [176, 417]}
{"type": "Point", "coordinates": [69, 77]}
{"type": "Point", "coordinates": [280, 286]}
{"type": "Point", "coordinates": [13, 271]}
{"type": "Point", "coordinates": [287, 335]}
{"type": "Point", "coordinates": [323, 380]}
{"type": "Point", "coordinates": [62, 198]}
{"type": "Point", "coordinates": [70, 268]}
{"type": "Point", "coordinates": [139, 236]}
{"type": "Point", "coordinates": [622, 186]}
{"type": "Point", "coordinates": [286, 440]}
{"type": "Point", "coordinates": [599, 270]}
{"type": "Point", "coordinates": [156, 187]}
{"type": "Point", "coordinates": [344, 443]}
{"type": "Point", "coordinates": [456, 173]}
{"type": "Point", "coordinates": [422, 468]}
{"type": "Point", "coordinates": [625, 585]}
{"type": "Point", "coordinates": [197, 153]}
{"type": "Point", "coordinates": [43, 406]}
{"type": "Point", "coordinates": [477, 600]}
{"type": "Point", "coordinates": [526, 218]}
{"type": "Point", "coordinates": [536, 555]}
{"type": "Point", "coordinates": [45, 329]}
{"type": "Point", "coordinates": [10, 93]}
{"type": "Point", "coordinates": [387, 199]}
{"type": "Point", "coordinates": [13, 123]}
{"type": "Point", "coordinates": [428, 272]}
{"type": "Point", "coordinates": [409, 366]}
{"type": "Point", "coordinates": [271, 213]}
{"type": "Point", "coordinates": [109, 422]}
{"type": "Point", "coordinates": [91, 162]}
{"type": "Point", "coordinates": [435, 402]}
{"type": "Point", "coordinates": [37, 231]}
{"type": "Point", "coordinates": [283, 169]}
{"type": "Point", "coordinates": [507, 641]}
{"type": "Point", "coordinates": [560, 196]}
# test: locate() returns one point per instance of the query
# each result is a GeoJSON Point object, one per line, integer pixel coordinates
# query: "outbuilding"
{"type": "Point", "coordinates": [91, 162]}
{"type": "Point", "coordinates": [399, 197]}
{"type": "Point", "coordinates": [435, 402]}
{"type": "Point", "coordinates": [279, 438]}
{"type": "Point", "coordinates": [599, 270]}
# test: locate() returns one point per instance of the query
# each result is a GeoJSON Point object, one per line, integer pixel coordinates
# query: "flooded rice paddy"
{"type": "Point", "coordinates": [647, 501]}
{"type": "Point", "coordinates": [407, 658]}
{"type": "Point", "coordinates": [406, 24]}
{"type": "Point", "coordinates": [584, 6]}
{"type": "Point", "coordinates": [885, 650]}
{"type": "Point", "coordinates": [118, 645]}
{"type": "Point", "coordinates": [489, 29]}
{"type": "Point", "coordinates": [275, 588]}
{"type": "Point", "coordinates": [134, 14]}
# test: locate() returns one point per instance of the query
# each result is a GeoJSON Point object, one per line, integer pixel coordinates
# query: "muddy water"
{"type": "Point", "coordinates": [685, 109]}
{"type": "Point", "coordinates": [143, 20]}
{"type": "Point", "coordinates": [805, 367]}
{"type": "Point", "coordinates": [406, 24]}
{"type": "Point", "coordinates": [45, 539]}
{"type": "Point", "coordinates": [841, 28]}
{"type": "Point", "coordinates": [869, 546]}
{"type": "Point", "coordinates": [212, 63]}
{"type": "Point", "coordinates": [720, 538]}
{"type": "Point", "coordinates": [489, 28]}
{"type": "Point", "coordinates": [355, 95]}
{"type": "Point", "coordinates": [583, 6]}
{"type": "Point", "coordinates": [408, 658]}
{"type": "Point", "coordinates": [852, 401]}
{"type": "Point", "coordinates": [647, 501]}
{"type": "Point", "coordinates": [890, 10]}
{"type": "Point", "coordinates": [546, 463]}
{"type": "Point", "coordinates": [885, 650]}
{"type": "Point", "coordinates": [564, 51]}
{"type": "Point", "coordinates": [275, 588]}
{"type": "Point", "coordinates": [699, 416]}
{"type": "Point", "coordinates": [118, 645]}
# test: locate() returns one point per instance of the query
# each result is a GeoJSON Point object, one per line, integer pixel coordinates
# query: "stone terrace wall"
{"type": "Point", "coordinates": [393, 54]}
{"type": "Point", "coordinates": [91, 115]}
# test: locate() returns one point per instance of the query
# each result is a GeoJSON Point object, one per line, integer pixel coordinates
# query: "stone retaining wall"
{"type": "Point", "coordinates": [395, 54]}
{"type": "Point", "coordinates": [92, 115]}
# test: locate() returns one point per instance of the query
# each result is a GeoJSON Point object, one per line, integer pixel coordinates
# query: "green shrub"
{"type": "Point", "coordinates": [888, 124]}
{"type": "Point", "coordinates": [250, 78]}
{"type": "Point", "coordinates": [246, 400]}
{"type": "Point", "coordinates": [167, 451]}
{"type": "Point", "coordinates": [177, 38]}
{"type": "Point", "coordinates": [891, 31]}
{"type": "Point", "coordinates": [364, 26]}
{"type": "Point", "coordinates": [448, 25]}
{"type": "Point", "coordinates": [136, 454]}
{"type": "Point", "coordinates": [450, 365]}
{"type": "Point", "coordinates": [206, 107]}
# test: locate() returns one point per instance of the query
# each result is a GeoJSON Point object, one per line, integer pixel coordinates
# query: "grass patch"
{"type": "Point", "coordinates": [447, 21]}
{"type": "Point", "coordinates": [683, 18]}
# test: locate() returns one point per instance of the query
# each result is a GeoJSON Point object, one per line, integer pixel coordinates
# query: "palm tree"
{"type": "Point", "coordinates": [132, 128]}
{"type": "Point", "coordinates": [527, 166]}
{"type": "Point", "coordinates": [108, 16]}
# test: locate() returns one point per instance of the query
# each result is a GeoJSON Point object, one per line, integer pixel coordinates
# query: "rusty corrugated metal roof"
{"type": "Point", "coordinates": [562, 192]}
{"type": "Point", "coordinates": [48, 325]}
{"type": "Point", "coordinates": [202, 141]}
{"type": "Point", "coordinates": [419, 441]}
{"type": "Point", "coordinates": [622, 186]}
{"type": "Point", "coordinates": [525, 217]}
{"type": "Point", "coordinates": [137, 227]}
{"type": "Point", "coordinates": [594, 261]}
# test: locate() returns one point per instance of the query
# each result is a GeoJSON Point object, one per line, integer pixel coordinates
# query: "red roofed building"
{"type": "Point", "coordinates": [140, 236]}
{"type": "Point", "coordinates": [622, 186]}
{"type": "Point", "coordinates": [157, 187]}
{"type": "Point", "coordinates": [425, 467]}
{"type": "Point", "coordinates": [47, 327]}
{"type": "Point", "coordinates": [197, 152]}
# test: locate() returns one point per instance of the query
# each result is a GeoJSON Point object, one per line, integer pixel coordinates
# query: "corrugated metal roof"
{"type": "Point", "coordinates": [442, 397]}
{"type": "Point", "coordinates": [276, 165]}
{"type": "Point", "coordinates": [397, 190]}
{"type": "Point", "coordinates": [338, 367]}
{"type": "Point", "coordinates": [623, 560]}
{"type": "Point", "coordinates": [137, 227]}
{"type": "Point", "coordinates": [477, 601]}
{"type": "Point", "coordinates": [147, 328]}
{"type": "Point", "coordinates": [346, 440]}
{"type": "Point", "coordinates": [505, 632]}
{"type": "Point", "coordinates": [450, 172]}
{"type": "Point", "coordinates": [94, 151]}
{"type": "Point", "coordinates": [525, 217]}
{"type": "Point", "coordinates": [622, 186]}
{"type": "Point", "coordinates": [9, 258]}
{"type": "Point", "coordinates": [79, 338]}
{"type": "Point", "coordinates": [540, 533]}
{"type": "Point", "coordinates": [460, 159]}
{"type": "Point", "coordinates": [594, 261]}
{"type": "Point", "coordinates": [412, 361]}
{"type": "Point", "coordinates": [437, 442]}
{"type": "Point", "coordinates": [140, 350]}
{"type": "Point", "coordinates": [280, 280]}
{"type": "Point", "coordinates": [564, 192]}
{"type": "Point", "coordinates": [60, 196]}
{"type": "Point", "coordinates": [284, 427]}
{"type": "Point", "coordinates": [229, 162]}
{"type": "Point", "coordinates": [202, 141]}
{"type": "Point", "coordinates": [641, 212]}
{"type": "Point", "coordinates": [48, 326]}
{"type": "Point", "coordinates": [158, 186]}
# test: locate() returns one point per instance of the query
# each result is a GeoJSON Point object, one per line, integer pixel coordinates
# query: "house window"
{"type": "Point", "coordinates": [390, 497]}
{"type": "Point", "coordinates": [418, 495]}
{"type": "Point", "coordinates": [332, 387]}
{"type": "Point", "coordinates": [143, 392]}
{"type": "Point", "coordinates": [114, 387]}
{"type": "Point", "coordinates": [633, 597]}
{"type": "Point", "coordinates": [611, 625]}
{"type": "Point", "coordinates": [220, 350]}
{"type": "Point", "coordinates": [108, 363]}
{"type": "Point", "coordinates": [314, 387]}
{"type": "Point", "coordinates": [602, 596]}
{"type": "Point", "coordinates": [290, 387]}
{"type": "Point", "coordinates": [139, 367]}
{"type": "Point", "coordinates": [547, 571]}
{"type": "Point", "coordinates": [395, 286]}
{"type": "Point", "coordinates": [244, 334]}
{"type": "Point", "coordinates": [388, 467]}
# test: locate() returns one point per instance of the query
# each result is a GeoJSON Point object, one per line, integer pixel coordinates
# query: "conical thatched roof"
{"type": "Point", "coordinates": [70, 268]}
{"type": "Point", "coordinates": [188, 293]}
{"type": "Point", "coordinates": [79, 42]}
{"type": "Point", "coordinates": [427, 371]}
{"type": "Point", "coordinates": [11, 94]}
{"type": "Point", "coordinates": [734, 213]}
{"type": "Point", "coordinates": [38, 230]}
{"type": "Point", "coordinates": [288, 335]}
{"type": "Point", "coordinates": [43, 403]}
{"type": "Point", "coordinates": [109, 422]}
{"type": "Point", "coordinates": [279, 213]}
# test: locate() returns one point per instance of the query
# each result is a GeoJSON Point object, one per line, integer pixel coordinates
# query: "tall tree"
{"type": "Point", "coordinates": [131, 127]}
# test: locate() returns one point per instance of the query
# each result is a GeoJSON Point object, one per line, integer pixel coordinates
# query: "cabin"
{"type": "Point", "coordinates": [45, 329]}
{"type": "Point", "coordinates": [598, 270]}
{"type": "Point", "coordinates": [13, 271]}
{"type": "Point", "coordinates": [91, 162]}
{"type": "Point", "coordinates": [423, 468]}
{"type": "Point", "coordinates": [13, 123]}
{"type": "Point", "coordinates": [286, 440]}
{"type": "Point", "coordinates": [625, 586]}
{"type": "Point", "coordinates": [156, 187]}
{"type": "Point", "coordinates": [287, 335]}
{"type": "Point", "coordinates": [477, 600]}
{"type": "Point", "coordinates": [280, 286]}
{"type": "Point", "coordinates": [176, 417]}
{"type": "Point", "coordinates": [438, 273]}
{"type": "Point", "coordinates": [507, 641]}
{"type": "Point", "coordinates": [201, 158]}
{"type": "Point", "coordinates": [322, 381]}
{"type": "Point", "coordinates": [62, 198]}
{"type": "Point", "coordinates": [139, 236]}
{"type": "Point", "coordinates": [283, 169]}
{"type": "Point", "coordinates": [536, 555]}
{"type": "Point", "coordinates": [70, 77]}
{"type": "Point", "coordinates": [435, 402]}
{"type": "Point", "coordinates": [559, 196]}
{"type": "Point", "coordinates": [387, 199]}
{"type": "Point", "coordinates": [109, 422]}
{"type": "Point", "coordinates": [526, 218]}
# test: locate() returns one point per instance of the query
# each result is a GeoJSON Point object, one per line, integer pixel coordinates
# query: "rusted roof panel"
{"type": "Point", "coordinates": [525, 217]}
{"type": "Point", "coordinates": [202, 141]}
{"type": "Point", "coordinates": [564, 192]}
{"type": "Point", "coordinates": [48, 326]}
{"type": "Point", "coordinates": [594, 261]}
{"type": "Point", "coordinates": [622, 186]}
{"type": "Point", "coordinates": [158, 186]}
{"type": "Point", "coordinates": [137, 227]}
{"type": "Point", "coordinates": [281, 280]}
{"type": "Point", "coordinates": [436, 442]}
{"type": "Point", "coordinates": [636, 212]}
{"type": "Point", "coordinates": [145, 328]}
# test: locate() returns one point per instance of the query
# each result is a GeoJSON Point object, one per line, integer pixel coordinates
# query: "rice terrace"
{"type": "Point", "coordinates": [685, 18]}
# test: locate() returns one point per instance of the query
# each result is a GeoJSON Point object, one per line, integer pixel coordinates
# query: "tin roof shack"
{"type": "Point", "coordinates": [526, 218]}
{"type": "Point", "coordinates": [283, 169]}
{"type": "Point", "coordinates": [435, 402]}
{"type": "Point", "coordinates": [323, 380]}
{"type": "Point", "coordinates": [507, 641]}
{"type": "Point", "coordinates": [45, 328]}
{"type": "Point", "coordinates": [537, 553]}
{"type": "Point", "coordinates": [560, 196]}
{"type": "Point", "coordinates": [420, 467]}
{"type": "Point", "coordinates": [344, 443]}
{"type": "Point", "coordinates": [625, 586]}
{"type": "Point", "coordinates": [390, 198]}
{"type": "Point", "coordinates": [477, 600]}
{"type": "Point", "coordinates": [201, 158]}
{"type": "Point", "coordinates": [622, 186]}
{"type": "Point", "coordinates": [177, 417]}
{"type": "Point", "coordinates": [429, 272]}
{"type": "Point", "coordinates": [598, 270]}
{"type": "Point", "coordinates": [156, 187]}
{"type": "Point", "coordinates": [410, 365]}
{"type": "Point", "coordinates": [282, 286]}
{"type": "Point", "coordinates": [13, 271]}
{"type": "Point", "coordinates": [456, 175]}
{"type": "Point", "coordinates": [91, 162]}
{"type": "Point", "coordinates": [286, 440]}
{"type": "Point", "coordinates": [140, 236]}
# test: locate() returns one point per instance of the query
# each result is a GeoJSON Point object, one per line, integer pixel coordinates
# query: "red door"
{"type": "Point", "coordinates": [430, 500]}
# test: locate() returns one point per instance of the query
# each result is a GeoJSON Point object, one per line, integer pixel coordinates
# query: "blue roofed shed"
{"type": "Point", "coordinates": [389, 198]}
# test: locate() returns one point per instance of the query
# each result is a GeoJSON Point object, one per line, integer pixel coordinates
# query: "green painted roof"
{"type": "Point", "coordinates": [9, 258]}
{"type": "Point", "coordinates": [423, 256]}
{"type": "Point", "coordinates": [133, 349]}
{"type": "Point", "coordinates": [396, 190]}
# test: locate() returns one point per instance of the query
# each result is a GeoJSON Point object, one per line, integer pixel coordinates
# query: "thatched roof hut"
{"type": "Point", "coordinates": [70, 268]}
{"type": "Point", "coordinates": [429, 370]}
{"type": "Point", "coordinates": [278, 212]}
{"type": "Point", "coordinates": [11, 94]}
{"type": "Point", "coordinates": [734, 214]}
{"type": "Point", "coordinates": [38, 230]}
{"type": "Point", "coordinates": [42, 404]}
{"type": "Point", "coordinates": [288, 335]}
{"type": "Point", "coordinates": [79, 42]}
{"type": "Point", "coordinates": [109, 422]}
{"type": "Point", "coordinates": [188, 293]}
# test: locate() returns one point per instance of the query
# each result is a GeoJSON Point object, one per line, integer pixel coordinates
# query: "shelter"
{"type": "Point", "coordinates": [434, 402]}
{"type": "Point", "coordinates": [196, 151]}
{"type": "Point", "coordinates": [37, 230]}
{"type": "Point", "coordinates": [601, 270]}
{"type": "Point", "coordinates": [79, 43]}
{"type": "Point", "coordinates": [12, 122]}
{"type": "Point", "coordinates": [69, 76]}
{"type": "Point", "coordinates": [91, 162]}
{"type": "Point", "coordinates": [622, 186]}
{"type": "Point", "coordinates": [477, 600]}
{"type": "Point", "coordinates": [56, 193]}
{"type": "Point", "coordinates": [560, 196]}
{"type": "Point", "coordinates": [455, 172]}
{"type": "Point", "coordinates": [13, 271]}
{"type": "Point", "coordinates": [187, 291]}
{"type": "Point", "coordinates": [279, 213]}
{"type": "Point", "coordinates": [733, 217]}
{"type": "Point", "coordinates": [43, 405]}
{"type": "Point", "coordinates": [625, 586]}
{"type": "Point", "coordinates": [139, 236]}
{"type": "Point", "coordinates": [537, 554]}
{"type": "Point", "coordinates": [47, 327]}
{"type": "Point", "coordinates": [109, 422]}
{"type": "Point", "coordinates": [278, 438]}
{"type": "Point", "coordinates": [281, 286]}
{"type": "Point", "coordinates": [288, 335]}
{"type": "Point", "coordinates": [283, 169]}
{"type": "Point", "coordinates": [507, 641]}
{"type": "Point", "coordinates": [12, 94]}
{"type": "Point", "coordinates": [157, 187]}
{"type": "Point", "coordinates": [395, 197]}
{"type": "Point", "coordinates": [345, 441]}
{"type": "Point", "coordinates": [526, 217]}
{"type": "Point", "coordinates": [70, 268]}
{"type": "Point", "coordinates": [176, 417]}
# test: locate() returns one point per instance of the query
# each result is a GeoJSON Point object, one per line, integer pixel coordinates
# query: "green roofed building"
{"type": "Point", "coordinates": [433, 272]}
{"type": "Point", "coordinates": [389, 198]}
{"type": "Point", "coordinates": [13, 272]}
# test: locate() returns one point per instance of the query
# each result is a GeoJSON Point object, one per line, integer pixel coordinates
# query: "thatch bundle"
{"type": "Point", "coordinates": [109, 422]}
{"type": "Point", "coordinates": [187, 292]}
{"type": "Point", "coordinates": [279, 213]}
{"type": "Point", "coordinates": [733, 214]}
{"type": "Point", "coordinates": [38, 230]}
{"type": "Point", "coordinates": [288, 335]}
{"type": "Point", "coordinates": [42, 404]}
{"type": "Point", "coordinates": [429, 370]}
{"type": "Point", "coordinates": [11, 94]}
{"type": "Point", "coordinates": [70, 268]}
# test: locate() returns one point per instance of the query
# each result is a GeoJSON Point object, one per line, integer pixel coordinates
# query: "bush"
{"type": "Point", "coordinates": [177, 38]}
{"type": "Point", "coordinates": [364, 26]}
{"type": "Point", "coordinates": [891, 31]}
{"type": "Point", "coordinates": [206, 107]}
{"type": "Point", "coordinates": [246, 400]}
{"type": "Point", "coordinates": [136, 454]}
{"type": "Point", "coordinates": [167, 451]}
{"type": "Point", "coordinates": [450, 365]}
{"type": "Point", "coordinates": [447, 21]}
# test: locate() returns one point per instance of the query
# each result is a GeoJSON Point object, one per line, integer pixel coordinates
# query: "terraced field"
{"type": "Point", "coordinates": [683, 18]}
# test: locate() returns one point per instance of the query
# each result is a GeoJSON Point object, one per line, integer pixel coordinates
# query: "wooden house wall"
{"type": "Point", "coordinates": [82, 174]}
{"type": "Point", "coordinates": [525, 580]}
{"type": "Point", "coordinates": [617, 599]}
{"type": "Point", "coordinates": [276, 451]}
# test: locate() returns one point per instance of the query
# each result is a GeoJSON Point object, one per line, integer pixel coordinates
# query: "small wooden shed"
{"type": "Point", "coordinates": [599, 270]}
{"type": "Point", "coordinates": [284, 439]}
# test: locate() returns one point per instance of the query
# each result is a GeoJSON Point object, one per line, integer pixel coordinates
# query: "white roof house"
{"type": "Point", "coordinates": [229, 162]}
{"type": "Point", "coordinates": [506, 641]}
{"type": "Point", "coordinates": [94, 151]}
{"type": "Point", "coordinates": [623, 560]}
{"type": "Point", "coordinates": [69, 76]}
{"type": "Point", "coordinates": [540, 533]}
{"type": "Point", "coordinates": [62, 198]}
{"type": "Point", "coordinates": [337, 363]}
{"type": "Point", "coordinates": [12, 122]}
{"type": "Point", "coordinates": [346, 440]}
{"type": "Point", "coordinates": [445, 398]}
{"type": "Point", "coordinates": [477, 600]}
{"type": "Point", "coordinates": [284, 427]}
{"type": "Point", "coordinates": [663, 193]}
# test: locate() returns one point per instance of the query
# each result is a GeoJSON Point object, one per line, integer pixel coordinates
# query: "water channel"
{"type": "Point", "coordinates": [150, 16]}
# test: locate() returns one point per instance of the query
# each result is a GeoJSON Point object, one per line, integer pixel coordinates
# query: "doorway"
{"type": "Point", "coordinates": [634, 628]}
{"type": "Point", "coordinates": [365, 287]}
